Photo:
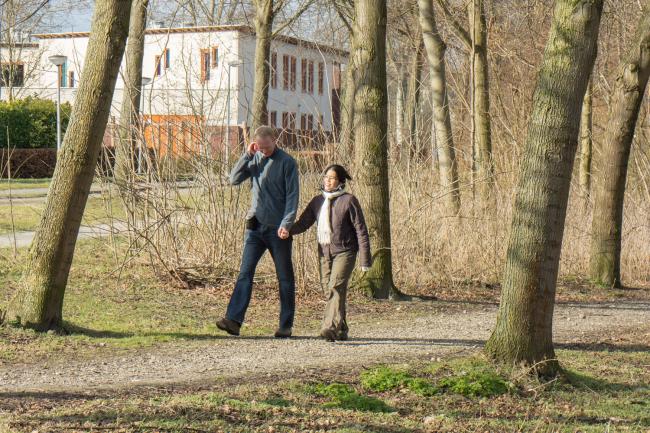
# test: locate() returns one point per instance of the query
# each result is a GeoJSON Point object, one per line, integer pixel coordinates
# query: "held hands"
{"type": "Point", "coordinates": [283, 233]}
{"type": "Point", "coordinates": [252, 148]}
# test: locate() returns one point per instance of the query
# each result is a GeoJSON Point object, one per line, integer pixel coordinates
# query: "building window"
{"type": "Point", "coordinates": [288, 120]}
{"type": "Point", "coordinates": [289, 72]}
{"type": "Point", "coordinates": [158, 66]}
{"type": "Point", "coordinates": [63, 74]}
{"type": "Point", "coordinates": [274, 70]}
{"type": "Point", "coordinates": [71, 81]}
{"type": "Point", "coordinates": [307, 122]}
{"type": "Point", "coordinates": [273, 119]}
{"type": "Point", "coordinates": [167, 58]}
{"type": "Point", "coordinates": [13, 74]}
{"type": "Point", "coordinates": [215, 57]}
{"type": "Point", "coordinates": [321, 77]}
{"type": "Point", "coordinates": [303, 75]}
{"type": "Point", "coordinates": [205, 66]}
{"type": "Point", "coordinates": [310, 77]}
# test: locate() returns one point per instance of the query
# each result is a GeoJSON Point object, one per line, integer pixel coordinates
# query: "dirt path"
{"type": "Point", "coordinates": [434, 331]}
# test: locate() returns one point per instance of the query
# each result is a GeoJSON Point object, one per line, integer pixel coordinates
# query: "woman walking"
{"type": "Point", "coordinates": [342, 235]}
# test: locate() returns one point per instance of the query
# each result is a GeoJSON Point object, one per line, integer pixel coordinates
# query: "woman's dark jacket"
{"type": "Point", "coordinates": [349, 230]}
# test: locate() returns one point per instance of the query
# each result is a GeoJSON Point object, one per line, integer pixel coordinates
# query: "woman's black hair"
{"type": "Point", "coordinates": [341, 173]}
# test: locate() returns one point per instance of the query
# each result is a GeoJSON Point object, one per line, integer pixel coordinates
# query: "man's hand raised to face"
{"type": "Point", "coordinates": [252, 148]}
{"type": "Point", "coordinates": [283, 233]}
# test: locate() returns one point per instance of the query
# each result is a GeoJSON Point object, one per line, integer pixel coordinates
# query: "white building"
{"type": "Point", "coordinates": [19, 66]}
{"type": "Point", "coordinates": [205, 75]}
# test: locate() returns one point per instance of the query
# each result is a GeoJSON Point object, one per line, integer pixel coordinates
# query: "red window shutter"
{"type": "Point", "coordinates": [303, 72]}
{"type": "Point", "coordinates": [321, 78]}
{"type": "Point", "coordinates": [205, 65]}
{"type": "Point", "coordinates": [274, 70]}
{"type": "Point", "coordinates": [158, 66]}
{"type": "Point", "coordinates": [215, 57]}
{"type": "Point", "coordinates": [285, 72]}
{"type": "Point", "coordinates": [336, 76]}
{"type": "Point", "coordinates": [293, 73]}
{"type": "Point", "coordinates": [311, 77]}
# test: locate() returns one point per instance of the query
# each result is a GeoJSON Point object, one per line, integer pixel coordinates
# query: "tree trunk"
{"type": "Point", "coordinates": [370, 138]}
{"type": "Point", "coordinates": [39, 301]}
{"type": "Point", "coordinates": [586, 142]}
{"type": "Point", "coordinates": [482, 130]}
{"type": "Point", "coordinates": [609, 189]}
{"type": "Point", "coordinates": [523, 333]}
{"type": "Point", "coordinates": [263, 37]}
{"type": "Point", "coordinates": [129, 117]}
{"type": "Point", "coordinates": [412, 102]}
{"type": "Point", "coordinates": [402, 90]}
{"type": "Point", "coordinates": [435, 48]}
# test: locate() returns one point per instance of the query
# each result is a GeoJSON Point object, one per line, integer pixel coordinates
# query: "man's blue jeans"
{"type": "Point", "coordinates": [256, 243]}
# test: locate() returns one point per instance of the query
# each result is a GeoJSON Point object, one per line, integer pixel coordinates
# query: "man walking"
{"type": "Point", "coordinates": [274, 177]}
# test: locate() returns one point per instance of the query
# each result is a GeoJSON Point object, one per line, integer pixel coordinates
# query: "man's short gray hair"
{"type": "Point", "coordinates": [265, 131]}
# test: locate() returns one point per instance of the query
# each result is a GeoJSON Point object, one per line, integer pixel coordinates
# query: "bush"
{"type": "Point", "coordinates": [27, 163]}
{"type": "Point", "coordinates": [31, 123]}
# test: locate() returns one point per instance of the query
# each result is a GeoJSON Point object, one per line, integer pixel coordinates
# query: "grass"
{"type": "Point", "coordinates": [18, 184]}
{"type": "Point", "coordinates": [346, 397]}
{"type": "Point", "coordinates": [117, 305]}
{"type": "Point", "coordinates": [599, 391]}
{"type": "Point", "coordinates": [27, 216]}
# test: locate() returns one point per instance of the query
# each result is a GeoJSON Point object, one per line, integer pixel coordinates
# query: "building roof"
{"type": "Point", "coordinates": [207, 29]}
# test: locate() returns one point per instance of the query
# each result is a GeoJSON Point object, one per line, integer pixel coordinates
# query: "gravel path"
{"type": "Point", "coordinates": [434, 331]}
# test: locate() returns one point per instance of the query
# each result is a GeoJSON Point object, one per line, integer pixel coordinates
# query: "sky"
{"type": "Point", "coordinates": [77, 20]}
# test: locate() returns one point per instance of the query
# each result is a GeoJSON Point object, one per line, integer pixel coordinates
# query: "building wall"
{"type": "Point", "coordinates": [180, 86]}
{"type": "Point", "coordinates": [297, 101]}
{"type": "Point", "coordinates": [27, 55]}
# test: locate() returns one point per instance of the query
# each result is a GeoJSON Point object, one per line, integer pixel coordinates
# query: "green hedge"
{"type": "Point", "coordinates": [31, 122]}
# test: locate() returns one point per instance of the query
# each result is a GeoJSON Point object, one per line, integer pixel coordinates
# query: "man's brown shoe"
{"type": "Point", "coordinates": [230, 326]}
{"type": "Point", "coordinates": [342, 336]}
{"type": "Point", "coordinates": [283, 333]}
{"type": "Point", "coordinates": [328, 335]}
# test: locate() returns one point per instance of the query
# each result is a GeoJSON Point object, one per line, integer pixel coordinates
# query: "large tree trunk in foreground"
{"type": "Point", "coordinates": [523, 332]}
{"type": "Point", "coordinates": [370, 138]}
{"type": "Point", "coordinates": [129, 117]}
{"type": "Point", "coordinates": [435, 48]}
{"type": "Point", "coordinates": [609, 192]}
{"type": "Point", "coordinates": [39, 301]}
{"type": "Point", "coordinates": [482, 141]}
{"type": "Point", "coordinates": [263, 36]}
{"type": "Point", "coordinates": [586, 142]}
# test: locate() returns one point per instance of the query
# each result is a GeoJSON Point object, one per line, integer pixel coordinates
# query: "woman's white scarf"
{"type": "Point", "coordinates": [324, 224]}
